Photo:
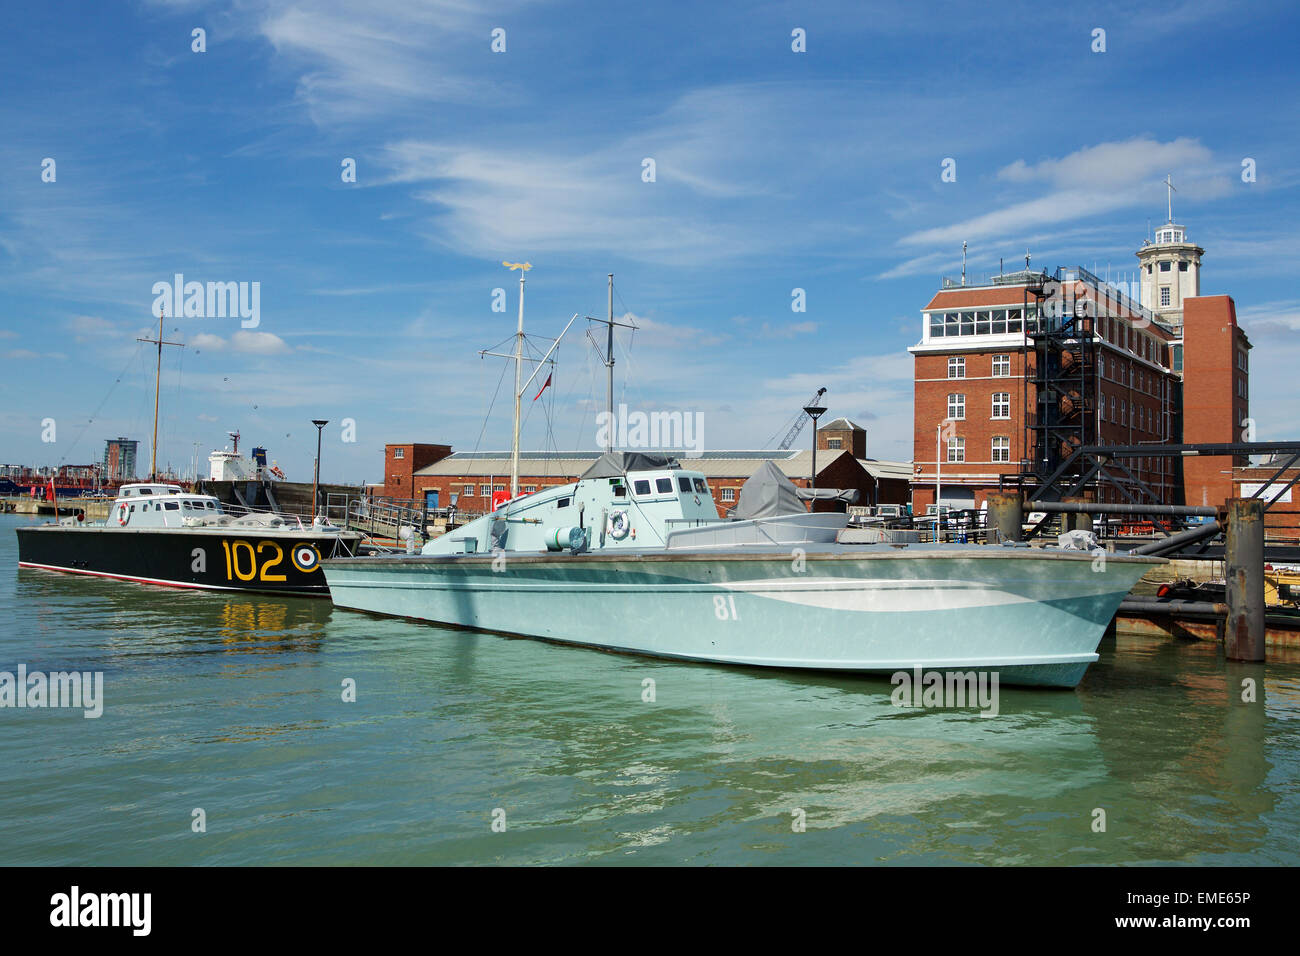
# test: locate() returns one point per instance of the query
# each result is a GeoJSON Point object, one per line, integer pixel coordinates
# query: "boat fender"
{"type": "Point", "coordinates": [618, 525]}
{"type": "Point", "coordinates": [122, 514]}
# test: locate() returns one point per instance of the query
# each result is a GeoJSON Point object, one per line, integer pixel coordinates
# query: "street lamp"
{"type": "Point", "coordinates": [315, 482]}
{"type": "Point", "coordinates": [814, 412]}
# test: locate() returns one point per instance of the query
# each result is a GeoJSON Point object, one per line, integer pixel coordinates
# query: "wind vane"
{"type": "Point", "coordinates": [525, 266]}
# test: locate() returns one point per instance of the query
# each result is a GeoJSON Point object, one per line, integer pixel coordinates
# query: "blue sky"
{"type": "Point", "coordinates": [774, 170]}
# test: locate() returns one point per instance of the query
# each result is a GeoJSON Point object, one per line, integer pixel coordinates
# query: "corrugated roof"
{"type": "Point", "coordinates": [887, 469]}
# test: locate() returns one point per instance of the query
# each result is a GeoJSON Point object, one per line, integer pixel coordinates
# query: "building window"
{"type": "Point", "coordinates": [1182, 267]}
{"type": "Point", "coordinates": [530, 489]}
{"type": "Point", "coordinates": [1001, 366]}
{"type": "Point", "coordinates": [1001, 448]}
{"type": "Point", "coordinates": [1114, 413]}
{"type": "Point", "coordinates": [956, 366]}
{"type": "Point", "coordinates": [956, 405]}
{"type": "Point", "coordinates": [1177, 351]}
{"type": "Point", "coordinates": [834, 443]}
{"type": "Point", "coordinates": [1164, 295]}
{"type": "Point", "coordinates": [485, 491]}
{"type": "Point", "coordinates": [956, 449]}
{"type": "Point", "coordinates": [399, 452]}
{"type": "Point", "coordinates": [499, 488]}
{"type": "Point", "coordinates": [728, 494]}
{"type": "Point", "coordinates": [468, 491]}
{"type": "Point", "coordinates": [1123, 412]}
{"type": "Point", "coordinates": [1001, 404]}
{"type": "Point", "coordinates": [1165, 267]}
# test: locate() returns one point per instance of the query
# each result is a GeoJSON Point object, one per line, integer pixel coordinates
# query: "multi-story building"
{"type": "Point", "coordinates": [119, 459]}
{"type": "Point", "coordinates": [1014, 373]}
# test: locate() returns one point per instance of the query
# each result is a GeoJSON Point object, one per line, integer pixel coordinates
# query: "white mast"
{"type": "Point", "coordinates": [523, 267]}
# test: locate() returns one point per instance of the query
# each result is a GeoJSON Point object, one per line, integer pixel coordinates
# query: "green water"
{"type": "Point", "coordinates": [234, 705]}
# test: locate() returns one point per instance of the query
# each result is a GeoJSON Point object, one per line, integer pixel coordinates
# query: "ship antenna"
{"type": "Point", "coordinates": [153, 450]}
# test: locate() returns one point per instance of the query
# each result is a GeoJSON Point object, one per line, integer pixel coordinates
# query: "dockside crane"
{"type": "Point", "coordinates": [802, 417]}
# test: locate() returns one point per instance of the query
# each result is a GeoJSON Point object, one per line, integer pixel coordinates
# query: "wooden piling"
{"type": "Point", "coordinates": [1243, 638]}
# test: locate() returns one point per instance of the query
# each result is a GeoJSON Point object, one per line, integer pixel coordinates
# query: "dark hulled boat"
{"type": "Point", "coordinates": [159, 534]}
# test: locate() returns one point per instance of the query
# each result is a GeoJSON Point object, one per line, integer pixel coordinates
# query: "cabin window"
{"type": "Point", "coordinates": [563, 503]}
{"type": "Point", "coordinates": [171, 506]}
{"type": "Point", "coordinates": [133, 509]}
{"type": "Point", "coordinates": [700, 486]}
{"type": "Point", "coordinates": [620, 491]}
{"type": "Point", "coordinates": [684, 484]}
{"type": "Point", "coordinates": [664, 486]}
{"type": "Point", "coordinates": [145, 491]}
{"type": "Point", "coordinates": [641, 486]}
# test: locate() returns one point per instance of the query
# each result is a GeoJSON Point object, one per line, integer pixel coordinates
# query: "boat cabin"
{"type": "Point", "coordinates": [625, 500]}
{"type": "Point", "coordinates": [150, 505]}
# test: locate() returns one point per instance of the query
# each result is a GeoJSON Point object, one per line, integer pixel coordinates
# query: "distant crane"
{"type": "Point", "coordinates": [797, 426]}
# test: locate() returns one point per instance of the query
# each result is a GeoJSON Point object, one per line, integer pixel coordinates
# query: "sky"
{"type": "Point", "coordinates": [688, 148]}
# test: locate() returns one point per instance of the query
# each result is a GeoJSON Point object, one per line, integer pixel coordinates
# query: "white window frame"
{"type": "Point", "coordinates": [957, 406]}
{"type": "Point", "coordinates": [399, 453]}
{"type": "Point", "coordinates": [1001, 448]}
{"type": "Point", "coordinates": [1006, 403]}
{"type": "Point", "coordinates": [1002, 365]}
{"type": "Point", "coordinates": [956, 366]}
{"type": "Point", "coordinates": [728, 494]}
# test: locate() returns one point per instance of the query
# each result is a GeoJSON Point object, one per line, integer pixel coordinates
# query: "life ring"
{"type": "Point", "coordinates": [618, 525]}
{"type": "Point", "coordinates": [122, 514]}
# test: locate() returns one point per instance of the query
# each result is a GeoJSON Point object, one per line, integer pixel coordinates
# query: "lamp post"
{"type": "Point", "coordinates": [814, 412]}
{"type": "Point", "coordinates": [315, 481]}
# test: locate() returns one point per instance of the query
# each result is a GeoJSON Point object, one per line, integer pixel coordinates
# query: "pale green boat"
{"type": "Point", "coordinates": [634, 557]}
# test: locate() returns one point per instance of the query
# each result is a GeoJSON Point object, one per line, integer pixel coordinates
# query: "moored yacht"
{"type": "Point", "coordinates": [157, 533]}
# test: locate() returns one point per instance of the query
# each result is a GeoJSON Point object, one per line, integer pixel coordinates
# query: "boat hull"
{"type": "Point", "coordinates": [1033, 619]}
{"type": "Point", "coordinates": [256, 560]}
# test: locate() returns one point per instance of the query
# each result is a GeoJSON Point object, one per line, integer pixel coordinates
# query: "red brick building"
{"type": "Point", "coordinates": [1172, 372]}
{"type": "Point", "coordinates": [1216, 369]}
{"type": "Point", "coordinates": [401, 462]}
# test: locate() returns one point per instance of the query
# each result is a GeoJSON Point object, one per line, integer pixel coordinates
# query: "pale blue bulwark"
{"type": "Point", "coordinates": [640, 562]}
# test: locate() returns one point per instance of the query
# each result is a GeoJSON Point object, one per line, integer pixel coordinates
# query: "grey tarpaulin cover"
{"type": "Point", "coordinates": [615, 464]}
{"type": "Point", "coordinates": [769, 492]}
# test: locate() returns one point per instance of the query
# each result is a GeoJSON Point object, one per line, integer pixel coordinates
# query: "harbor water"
{"type": "Point", "coordinates": [227, 738]}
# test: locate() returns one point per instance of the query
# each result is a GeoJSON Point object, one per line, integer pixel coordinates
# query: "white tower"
{"type": "Point", "coordinates": [1170, 268]}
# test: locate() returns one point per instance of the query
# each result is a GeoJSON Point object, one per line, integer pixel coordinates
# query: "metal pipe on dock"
{"type": "Point", "coordinates": [1069, 505]}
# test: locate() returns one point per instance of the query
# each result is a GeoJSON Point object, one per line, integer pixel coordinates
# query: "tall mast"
{"type": "Point", "coordinates": [523, 267]}
{"type": "Point", "coordinates": [609, 365]}
{"type": "Point", "coordinates": [153, 450]}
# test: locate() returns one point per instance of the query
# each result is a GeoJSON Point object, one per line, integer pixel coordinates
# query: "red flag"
{"type": "Point", "coordinates": [49, 492]}
{"type": "Point", "coordinates": [544, 384]}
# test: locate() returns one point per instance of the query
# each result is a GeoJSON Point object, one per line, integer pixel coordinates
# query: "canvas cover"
{"type": "Point", "coordinates": [769, 493]}
{"type": "Point", "coordinates": [615, 464]}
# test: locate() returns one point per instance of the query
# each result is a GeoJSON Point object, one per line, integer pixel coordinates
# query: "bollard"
{"type": "Point", "coordinates": [1076, 520]}
{"type": "Point", "coordinates": [1005, 515]}
{"type": "Point", "coordinates": [1243, 637]}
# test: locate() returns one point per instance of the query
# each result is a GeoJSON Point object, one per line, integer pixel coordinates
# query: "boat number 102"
{"type": "Point", "coordinates": [244, 562]}
{"type": "Point", "coordinates": [724, 607]}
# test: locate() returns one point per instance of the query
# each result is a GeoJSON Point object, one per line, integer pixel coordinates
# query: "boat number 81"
{"type": "Point", "coordinates": [724, 607]}
{"type": "Point", "coordinates": [245, 564]}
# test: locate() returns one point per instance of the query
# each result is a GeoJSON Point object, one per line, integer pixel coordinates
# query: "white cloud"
{"type": "Point", "coordinates": [258, 343]}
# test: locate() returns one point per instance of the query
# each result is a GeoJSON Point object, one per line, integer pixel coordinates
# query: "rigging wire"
{"type": "Point", "coordinates": [104, 401]}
